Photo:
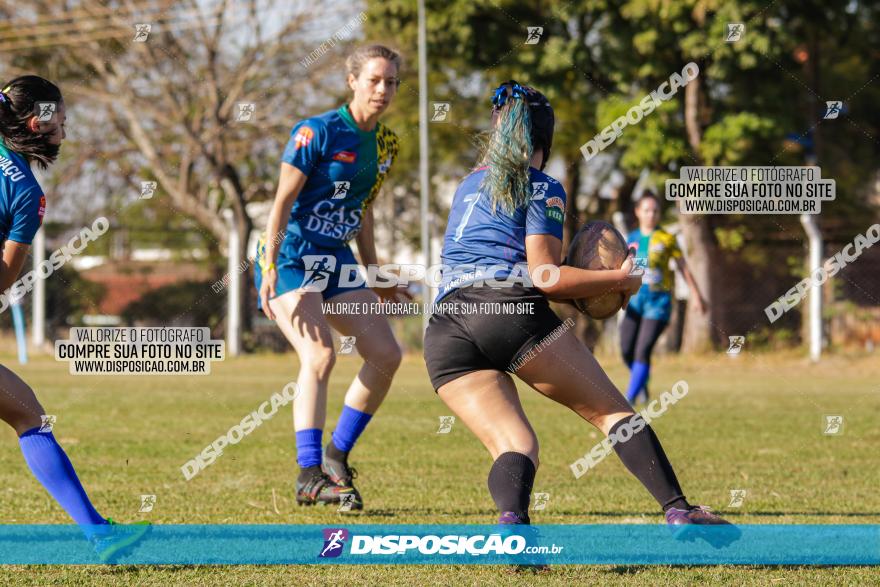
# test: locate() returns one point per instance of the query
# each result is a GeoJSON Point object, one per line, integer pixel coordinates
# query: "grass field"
{"type": "Point", "coordinates": [752, 422]}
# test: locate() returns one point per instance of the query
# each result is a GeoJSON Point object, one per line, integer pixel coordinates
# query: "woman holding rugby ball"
{"type": "Point", "coordinates": [32, 118]}
{"type": "Point", "coordinates": [508, 212]}
{"type": "Point", "coordinates": [331, 171]}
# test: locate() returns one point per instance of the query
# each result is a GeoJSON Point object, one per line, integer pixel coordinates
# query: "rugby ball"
{"type": "Point", "coordinates": [596, 246]}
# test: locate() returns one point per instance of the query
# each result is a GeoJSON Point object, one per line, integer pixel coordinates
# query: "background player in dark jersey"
{"type": "Point", "coordinates": [648, 312]}
{"type": "Point", "coordinates": [26, 139]}
{"type": "Point", "coordinates": [331, 170]}
{"type": "Point", "coordinates": [509, 213]}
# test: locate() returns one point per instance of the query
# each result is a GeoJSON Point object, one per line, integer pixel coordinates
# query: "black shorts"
{"type": "Point", "coordinates": [467, 340]}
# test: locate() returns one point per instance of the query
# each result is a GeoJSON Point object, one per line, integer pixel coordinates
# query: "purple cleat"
{"type": "Point", "coordinates": [700, 522]}
{"type": "Point", "coordinates": [511, 519]}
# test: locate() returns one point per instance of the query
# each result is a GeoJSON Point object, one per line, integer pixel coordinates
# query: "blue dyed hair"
{"type": "Point", "coordinates": [525, 123]}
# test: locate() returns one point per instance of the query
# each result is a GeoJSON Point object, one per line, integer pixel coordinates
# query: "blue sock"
{"type": "Point", "coordinates": [308, 447]}
{"type": "Point", "coordinates": [351, 424]}
{"type": "Point", "coordinates": [53, 469]}
{"type": "Point", "coordinates": [638, 379]}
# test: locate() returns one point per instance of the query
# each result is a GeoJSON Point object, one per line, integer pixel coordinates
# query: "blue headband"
{"type": "Point", "coordinates": [500, 97]}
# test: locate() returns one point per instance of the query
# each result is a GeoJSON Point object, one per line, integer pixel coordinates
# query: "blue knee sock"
{"type": "Point", "coordinates": [638, 379]}
{"type": "Point", "coordinates": [351, 424]}
{"type": "Point", "coordinates": [53, 469]}
{"type": "Point", "coordinates": [308, 447]}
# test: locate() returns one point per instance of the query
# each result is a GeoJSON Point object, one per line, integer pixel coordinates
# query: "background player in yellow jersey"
{"type": "Point", "coordinates": [648, 311]}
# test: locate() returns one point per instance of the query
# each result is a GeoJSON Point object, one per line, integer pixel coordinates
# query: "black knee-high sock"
{"type": "Point", "coordinates": [643, 455]}
{"type": "Point", "coordinates": [510, 483]}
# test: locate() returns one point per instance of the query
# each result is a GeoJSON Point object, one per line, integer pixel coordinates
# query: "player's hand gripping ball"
{"type": "Point", "coordinates": [597, 246]}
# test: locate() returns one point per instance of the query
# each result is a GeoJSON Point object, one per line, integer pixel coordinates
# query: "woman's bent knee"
{"type": "Point", "coordinates": [605, 421]}
{"type": "Point", "coordinates": [385, 359]}
{"type": "Point", "coordinates": [18, 405]}
{"type": "Point", "coordinates": [320, 361]}
{"type": "Point", "coordinates": [525, 446]}
{"type": "Point", "coordinates": [24, 419]}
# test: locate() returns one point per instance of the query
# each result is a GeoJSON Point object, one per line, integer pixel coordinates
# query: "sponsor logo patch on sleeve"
{"type": "Point", "coordinates": [345, 156]}
{"type": "Point", "coordinates": [555, 209]}
{"type": "Point", "coordinates": [303, 137]}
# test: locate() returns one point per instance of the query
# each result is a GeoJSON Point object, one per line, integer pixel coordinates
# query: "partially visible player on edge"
{"type": "Point", "coordinates": [649, 310]}
{"type": "Point", "coordinates": [331, 171]}
{"type": "Point", "coordinates": [29, 136]}
{"type": "Point", "coordinates": [500, 218]}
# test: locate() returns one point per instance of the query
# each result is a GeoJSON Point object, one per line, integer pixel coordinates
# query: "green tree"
{"type": "Point", "coordinates": [750, 95]}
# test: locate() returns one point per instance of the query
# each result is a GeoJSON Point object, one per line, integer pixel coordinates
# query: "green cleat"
{"type": "Point", "coordinates": [112, 541]}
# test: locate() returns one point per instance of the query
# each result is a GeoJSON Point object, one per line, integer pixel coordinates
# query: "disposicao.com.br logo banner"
{"type": "Point", "coordinates": [617, 544]}
{"type": "Point", "coordinates": [508, 542]}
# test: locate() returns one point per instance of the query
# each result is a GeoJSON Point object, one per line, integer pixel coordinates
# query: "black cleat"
{"type": "Point", "coordinates": [338, 471]}
{"type": "Point", "coordinates": [320, 489]}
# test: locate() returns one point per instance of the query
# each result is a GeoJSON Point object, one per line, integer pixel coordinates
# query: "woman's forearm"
{"type": "Point", "coordinates": [290, 184]}
{"type": "Point", "coordinates": [274, 225]}
{"type": "Point", "coordinates": [14, 256]}
{"type": "Point", "coordinates": [575, 283]}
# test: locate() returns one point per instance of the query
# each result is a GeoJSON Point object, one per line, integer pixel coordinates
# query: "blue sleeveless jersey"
{"type": "Point", "coordinates": [478, 237]}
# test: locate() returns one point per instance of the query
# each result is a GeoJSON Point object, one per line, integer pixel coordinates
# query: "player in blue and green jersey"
{"type": "Point", "coordinates": [649, 310]}
{"type": "Point", "coordinates": [332, 169]}
{"type": "Point", "coordinates": [32, 118]}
